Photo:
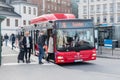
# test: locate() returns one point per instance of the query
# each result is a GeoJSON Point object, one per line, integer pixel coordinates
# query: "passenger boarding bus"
{"type": "Point", "coordinates": [73, 38]}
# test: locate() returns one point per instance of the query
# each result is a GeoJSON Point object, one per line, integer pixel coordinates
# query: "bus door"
{"type": "Point", "coordinates": [50, 31]}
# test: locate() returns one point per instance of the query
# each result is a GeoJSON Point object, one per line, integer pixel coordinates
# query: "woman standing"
{"type": "Point", "coordinates": [21, 53]}
{"type": "Point", "coordinates": [50, 47]}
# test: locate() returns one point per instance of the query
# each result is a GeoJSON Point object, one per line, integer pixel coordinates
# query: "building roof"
{"type": "Point", "coordinates": [2, 4]}
{"type": "Point", "coordinates": [8, 13]}
{"type": "Point", "coordinates": [16, 2]}
{"type": "Point", "coordinates": [52, 17]}
{"type": "Point", "coordinates": [7, 10]}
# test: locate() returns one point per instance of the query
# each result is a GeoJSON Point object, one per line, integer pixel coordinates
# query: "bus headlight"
{"type": "Point", "coordinates": [94, 51]}
{"type": "Point", "coordinates": [60, 57]}
{"type": "Point", "coordinates": [93, 54]}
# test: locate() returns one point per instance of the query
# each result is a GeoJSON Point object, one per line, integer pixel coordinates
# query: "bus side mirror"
{"type": "Point", "coordinates": [50, 21]}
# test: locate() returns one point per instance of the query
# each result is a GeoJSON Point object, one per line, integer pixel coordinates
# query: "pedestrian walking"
{"type": "Point", "coordinates": [1, 38]}
{"type": "Point", "coordinates": [50, 48]}
{"type": "Point", "coordinates": [13, 41]}
{"type": "Point", "coordinates": [21, 52]}
{"type": "Point", "coordinates": [6, 37]}
{"type": "Point", "coordinates": [27, 42]}
{"type": "Point", "coordinates": [41, 43]}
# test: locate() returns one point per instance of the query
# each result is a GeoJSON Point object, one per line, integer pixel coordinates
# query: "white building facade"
{"type": "Point", "coordinates": [11, 22]}
{"type": "Point", "coordinates": [23, 13]}
{"type": "Point", "coordinates": [10, 25]}
{"type": "Point", "coordinates": [101, 11]}
{"type": "Point", "coordinates": [27, 11]}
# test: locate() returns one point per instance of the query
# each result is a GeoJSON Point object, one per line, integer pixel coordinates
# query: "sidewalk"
{"type": "Point", "coordinates": [9, 56]}
{"type": "Point", "coordinates": [108, 53]}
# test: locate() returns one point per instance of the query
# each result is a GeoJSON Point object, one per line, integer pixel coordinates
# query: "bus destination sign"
{"type": "Point", "coordinates": [75, 24]}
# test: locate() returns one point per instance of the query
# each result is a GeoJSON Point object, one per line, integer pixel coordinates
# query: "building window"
{"type": "Point", "coordinates": [84, 9]}
{"type": "Point", "coordinates": [48, 7]}
{"type": "Point", "coordinates": [85, 1]}
{"type": "Point", "coordinates": [24, 22]}
{"type": "Point", "coordinates": [85, 17]}
{"type": "Point", "coordinates": [104, 19]}
{"type": "Point", "coordinates": [98, 19]}
{"type": "Point", "coordinates": [104, 8]}
{"type": "Point", "coordinates": [29, 22]}
{"type": "Point", "coordinates": [92, 8]}
{"type": "Point", "coordinates": [55, 8]}
{"type": "Point", "coordinates": [92, 18]}
{"type": "Point", "coordinates": [98, 8]}
{"type": "Point", "coordinates": [118, 18]}
{"type": "Point", "coordinates": [111, 7]}
{"type": "Point", "coordinates": [69, 11]}
{"type": "Point", "coordinates": [52, 7]}
{"type": "Point", "coordinates": [111, 19]}
{"type": "Point", "coordinates": [34, 11]}
{"type": "Point", "coordinates": [29, 10]}
{"type": "Point", "coordinates": [58, 1]}
{"type": "Point", "coordinates": [24, 10]}
{"type": "Point", "coordinates": [118, 7]}
{"type": "Point", "coordinates": [8, 22]}
{"type": "Point", "coordinates": [92, 0]}
{"type": "Point", "coordinates": [16, 22]}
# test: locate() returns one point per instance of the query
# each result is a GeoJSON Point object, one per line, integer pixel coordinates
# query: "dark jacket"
{"type": "Point", "coordinates": [13, 38]}
{"type": "Point", "coordinates": [41, 40]}
{"type": "Point", "coordinates": [25, 42]}
{"type": "Point", "coordinates": [20, 46]}
{"type": "Point", "coordinates": [6, 37]}
{"type": "Point", "coordinates": [1, 40]}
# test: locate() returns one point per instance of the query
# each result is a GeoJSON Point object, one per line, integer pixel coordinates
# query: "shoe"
{"type": "Point", "coordinates": [29, 61]}
{"type": "Point", "coordinates": [18, 61]}
{"type": "Point", "coordinates": [41, 63]}
{"type": "Point", "coordinates": [26, 61]}
{"type": "Point", "coordinates": [23, 61]}
{"type": "Point", "coordinates": [48, 61]}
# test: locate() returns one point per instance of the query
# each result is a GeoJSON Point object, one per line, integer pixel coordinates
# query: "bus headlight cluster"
{"type": "Point", "coordinates": [60, 57]}
{"type": "Point", "coordinates": [93, 54]}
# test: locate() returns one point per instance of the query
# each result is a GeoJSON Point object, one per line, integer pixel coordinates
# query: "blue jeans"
{"type": "Point", "coordinates": [6, 41]}
{"type": "Point", "coordinates": [41, 53]}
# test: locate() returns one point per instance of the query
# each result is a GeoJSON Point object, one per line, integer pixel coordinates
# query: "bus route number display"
{"type": "Point", "coordinates": [74, 24]}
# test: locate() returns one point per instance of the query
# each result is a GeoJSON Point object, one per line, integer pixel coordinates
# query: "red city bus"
{"type": "Point", "coordinates": [73, 38]}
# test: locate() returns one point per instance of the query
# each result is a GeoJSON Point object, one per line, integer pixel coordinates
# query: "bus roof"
{"type": "Point", "coordinates": [51, 17]}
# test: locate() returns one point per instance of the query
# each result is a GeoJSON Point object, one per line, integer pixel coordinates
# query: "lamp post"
{"type": "Point", "coordinates": [43, 6]}
{"type": "Point", "coordinates": [1, 19]}
{"type": "Point", "coordinates": [88, 9]}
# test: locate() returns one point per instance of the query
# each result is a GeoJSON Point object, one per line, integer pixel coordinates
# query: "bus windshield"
{"type": "Point", "coordinates": [75, 39]}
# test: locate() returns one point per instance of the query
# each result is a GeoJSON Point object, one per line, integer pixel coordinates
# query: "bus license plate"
{"type": "Point", "coordinates": [80, 60]}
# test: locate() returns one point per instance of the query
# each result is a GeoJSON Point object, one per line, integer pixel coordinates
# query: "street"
{"type": "Point", "coordinates": [101, 69]}
{"type": "Point", "coordinates": [64, 31]}
{"type": "Point", "coordinates": [101, 65]}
